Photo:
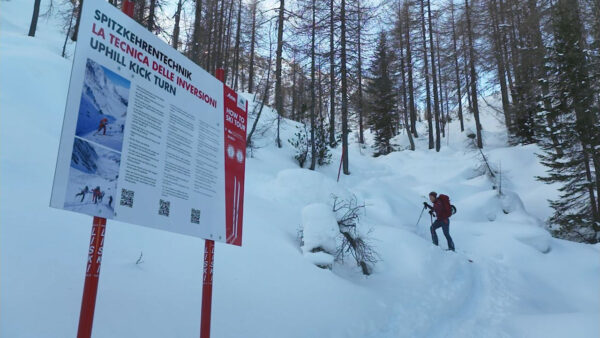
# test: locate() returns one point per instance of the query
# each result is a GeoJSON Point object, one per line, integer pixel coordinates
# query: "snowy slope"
{"type": "Point", "coordinates": [522, 283]}
{"type": "Point", "coordinates": [102, 98]}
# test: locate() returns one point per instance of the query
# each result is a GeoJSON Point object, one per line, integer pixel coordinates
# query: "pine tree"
{"type": "Point", "coordinates": [381, 97]}
{"type": "Point", "coordinates": [577, 211]}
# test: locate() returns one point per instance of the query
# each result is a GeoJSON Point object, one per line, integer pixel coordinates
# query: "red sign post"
{"type": "Point", "coordinates": [235, 109]}
{"type": "Point", "coordinates": [340, 168]}
{"type": "Point", "coordinates": [207, 280]}
{"type": "Point", "coordinates": [92, 275]}
{"type": "Point", "coordinates": [209, 259]}
{"type": "Point", "coordinates": [92, 272]}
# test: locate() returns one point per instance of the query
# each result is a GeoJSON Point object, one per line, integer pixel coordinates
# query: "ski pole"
{"type": "Point", "coordinates": [420, 216]}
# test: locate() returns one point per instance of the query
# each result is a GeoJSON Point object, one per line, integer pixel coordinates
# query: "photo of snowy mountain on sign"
{"type": "Point", "coordinates": [103, 106]}
{"type": "Point", "coordinates": [92, 179]}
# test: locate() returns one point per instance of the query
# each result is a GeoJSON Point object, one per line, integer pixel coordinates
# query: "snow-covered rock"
{"type": "Point", "coordinates": [319, 229]}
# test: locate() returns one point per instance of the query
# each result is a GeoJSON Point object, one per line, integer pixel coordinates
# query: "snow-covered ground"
{"type": "Point", "coordinates": [521, 283]}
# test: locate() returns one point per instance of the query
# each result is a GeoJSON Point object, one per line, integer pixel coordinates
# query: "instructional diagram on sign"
{"type": "Point", "coordinates": [149, 137]}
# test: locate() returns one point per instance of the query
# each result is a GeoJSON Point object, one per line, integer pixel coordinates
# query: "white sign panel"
{"type": "Point", "coordinates": [149, 137]}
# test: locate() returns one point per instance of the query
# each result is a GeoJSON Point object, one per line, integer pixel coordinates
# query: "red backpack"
{"type": "Point", "coordinates": [447, 207]}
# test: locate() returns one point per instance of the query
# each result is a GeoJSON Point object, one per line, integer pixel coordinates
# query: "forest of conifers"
{"type": "Point", "coordinates": [345, 66]}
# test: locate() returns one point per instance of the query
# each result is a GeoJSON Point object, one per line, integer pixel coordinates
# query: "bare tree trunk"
{"type": "Point", "coordinates": [76, 29]}
{"type": "Point", "coordinates": [34, 17]}
{"type": "Point", "coordinates": [219, 41]}
{"type": "Point", "coordinates": [278, 83]}
{"type": "Point", "coordinates": [514, 51]}
{"type": "Point", "coordinates": [473, 76]}
{"type": "Point", "coordinates": [236, 58]}
{"type": "Point", "coordinates": [321, 122]}
{"type": "Point", "coordinates": [313, 150]}
{"type": "Point", "coordinates": [196, 35]}
{"type": "Point", "coordinates": [436, 102]}
{"type": "Point", "coordinates": [361, 137]}
{"type": "Point", "coordinates": [426, 76]}
{"type": "Point", "coordinates": [456, 68]}
{"type": "Point", "coordinates": [294, 87]}
{"type": "Point", "coordinates": [596, 163]}
{"type": "Point", "coordinates": [505, 50]}
{"type": "Point", "coordinates": [500, 64]}
{"type": "Point", "coordinates": [441, 85]}
{"type": "Point", "coordinates": [252, 44]}
{"type": "Point", "coordinates": [411, 90]}
{"type": "Point", "coordinates": [64, 49]}
{"type": "Point", "coordinates": [176, 28]}
{"type": "Point", "coordinates": [265, 97]}
{"type": "Point", "coordinates": [140, 9]}
{"type": "Point", "coordinates": [227, 43]}
{"type": "Point", "coordinates": [466, 72]}
{"type": "Point", "coordinates": [403, 86]}
{"type": "Point", "coordinates": [344, 89]}
{"type": "Point", "coordinates": [151, 16]}
{"type": "Point", "coordinates": [210, 32]}
{"type": "Point", "coordinates": [331, 75]}
{"type": "Point", "coordinates": [588, 176]}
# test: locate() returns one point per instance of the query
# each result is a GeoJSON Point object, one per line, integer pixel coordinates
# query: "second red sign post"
{"type": "Point", "coordinates": [209, 259]}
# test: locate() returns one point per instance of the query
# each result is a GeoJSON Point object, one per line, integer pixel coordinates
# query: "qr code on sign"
{"type": "Point", "coordinates": [195, 216]}
{"type": "Point", "coordinates": [164, 208]}
{"type": "Point", "coordinates": [127, 197]}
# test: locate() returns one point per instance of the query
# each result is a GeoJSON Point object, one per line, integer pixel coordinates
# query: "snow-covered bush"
{"type": "Point", "coordinates": [301, 141]}
{"type": "Point", "coordinates": [323, 153]}
{"type": "Point", "coordinates": [354, 242]}
{"type": "Point", "coordinates": [330, 234]}
{"type": "Point", "coordinates": [319, 233]}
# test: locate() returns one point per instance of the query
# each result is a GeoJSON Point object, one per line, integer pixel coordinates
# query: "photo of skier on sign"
{"type": "Point", "coordinates": [96, 169]}
{"type": "Point", "coordinates": [103, 106]}
{"type": "Point", "coordinates": [96, 194]}
{"type": "Point", "coordinates": [102, 126]}
{"type": "Point", "coordinates": [83, 192]}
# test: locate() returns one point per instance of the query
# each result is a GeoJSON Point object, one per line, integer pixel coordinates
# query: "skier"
{"type": "Point", "coordinates": [101, 196]}
{"type": "Point", "coordinates": [82, 193]}
{"type": "Point", "coordinates": [442, 214]}
{"type": "Point", "coordinates": [95, 194]}
{"type": "Point", "coordinates": [110, 199]}
{"type": "Point", "coordinates": [122, 128]}
{"type": "Point", "coordinates": [102, 126]}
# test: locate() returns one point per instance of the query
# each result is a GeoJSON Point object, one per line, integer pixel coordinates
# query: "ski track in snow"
{"type": "Point", "coordinates": [477, 279]}
{"type": "Point", "coordinates": [112, 139]}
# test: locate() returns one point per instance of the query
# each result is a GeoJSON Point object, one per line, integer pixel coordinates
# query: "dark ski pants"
{"type": "Point", "coordinates": [446, 229]}
{"type": "Point", "coordinates": [82, 194]}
